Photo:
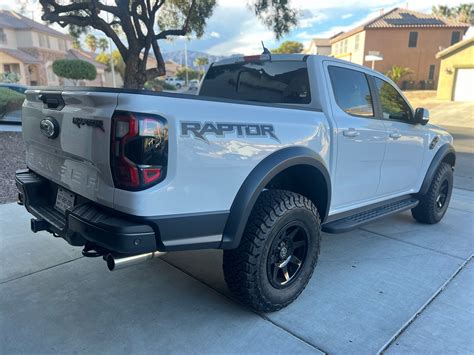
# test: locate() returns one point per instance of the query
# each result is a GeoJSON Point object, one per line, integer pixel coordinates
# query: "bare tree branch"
{"type": "Point", "coordinates": [178, 32]}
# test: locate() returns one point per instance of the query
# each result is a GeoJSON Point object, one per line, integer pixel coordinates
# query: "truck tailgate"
{"type": "Point", "coordinates": [78, 157]}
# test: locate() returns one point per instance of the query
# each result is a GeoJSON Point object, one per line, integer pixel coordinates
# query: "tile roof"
{"type": "Point", "coordinates": [11, 19]}
{"type": "Point", "coordinates": [86, 56]}
{"type": "Point", "coordinates": [403, 18]}
{"type": "Point", "coordinates": [466, 43]}
{"type": "Point", "coordinates": [20, 55]}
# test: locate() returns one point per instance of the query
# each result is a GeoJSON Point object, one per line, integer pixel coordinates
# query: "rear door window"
{"type": "Point", "coordinates": [282, 82]}
{"type": "Point", "coordinates": [351, 91]}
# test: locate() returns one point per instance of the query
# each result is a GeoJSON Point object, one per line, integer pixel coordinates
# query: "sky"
{"type": "Point", "coordinates": [234, 28]}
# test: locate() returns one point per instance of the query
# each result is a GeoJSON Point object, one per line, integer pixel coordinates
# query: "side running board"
{"type": "Point", "coordinates": [348, 223]}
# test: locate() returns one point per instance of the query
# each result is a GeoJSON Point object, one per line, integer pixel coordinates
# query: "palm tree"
{"type": "Point", "coordinates": [103, 44]}
{"type": "Point", "coordinates": [441, 10]}
{"type": "Point", "coordinates": [201, 62]}
{"type": "Point", "coordinates": [91, 42]}
{"type": "Point", "coordinates": [396, 73]}
{"type": "Point", "coordinates": [462, 13]}
{"type": "Point", "coordinates": [465, 13]}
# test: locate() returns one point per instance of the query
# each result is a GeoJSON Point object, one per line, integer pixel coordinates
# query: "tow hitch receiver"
{"type": "Point", "coordinates": [38, 225]}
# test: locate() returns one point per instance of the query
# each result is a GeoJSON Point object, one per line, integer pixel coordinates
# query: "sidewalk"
{"type": "Point", "coordinates": [368, 288]}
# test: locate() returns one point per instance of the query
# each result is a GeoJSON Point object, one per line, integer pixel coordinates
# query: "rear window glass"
{"type": "Point", "coordinates": [284, 82]}
{"type": "Point", "coordinates": [351, 91]}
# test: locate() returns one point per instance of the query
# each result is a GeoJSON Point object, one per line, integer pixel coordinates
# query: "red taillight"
{"type": "Point", "coordinates": [139, 150]}
{"type": "Point", "coordinates": [252, 58]}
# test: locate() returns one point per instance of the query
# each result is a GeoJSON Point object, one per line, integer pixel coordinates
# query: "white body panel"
{"type": "Point", "coordinates": [78, 158]}
{"type": "Point", "coordinates": [206, 176]}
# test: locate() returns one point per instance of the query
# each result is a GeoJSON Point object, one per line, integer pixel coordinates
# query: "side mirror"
{"type": "Point", "coordinates": [422, 115]}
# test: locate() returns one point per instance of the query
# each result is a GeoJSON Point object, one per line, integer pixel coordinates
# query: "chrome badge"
{"type": "Point", "coordinates": [49, 127]}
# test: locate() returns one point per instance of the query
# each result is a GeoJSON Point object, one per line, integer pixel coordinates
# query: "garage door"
{"type": "Point", "coordinates": [464, 85]}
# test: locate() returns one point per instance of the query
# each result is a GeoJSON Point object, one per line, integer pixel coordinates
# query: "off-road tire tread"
{"type": "Point", "coordinates": [424, 211]}
{"type": "Point", "coordinates": [240, 265]}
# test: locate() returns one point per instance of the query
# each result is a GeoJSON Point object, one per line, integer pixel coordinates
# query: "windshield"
{"type": "Point", "coordinates": [284, 82]}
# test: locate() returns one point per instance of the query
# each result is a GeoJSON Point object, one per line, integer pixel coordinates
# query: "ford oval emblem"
{"type": "Point", "coordinates": [49, 127]}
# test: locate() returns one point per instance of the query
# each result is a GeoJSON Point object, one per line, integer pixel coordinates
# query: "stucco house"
{"type": "Point", "coordinates": [456, 74]}
{"type": "Point", "coordinates": [321, 46]}
{"type": "Point", "coordinates": [29, 48]}
{"type": "Point", "coordinates": [403, 38]}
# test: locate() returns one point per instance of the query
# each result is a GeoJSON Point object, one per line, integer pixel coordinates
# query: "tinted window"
{"type": "Point", "coordinates": [394, 106]}
{"type": "Point", "coordinates": [283, 82]}
{"type": "Point", "coordinates": [413, 39]}
{"type": "Point", "coordinates": [351, 90]}
{"type": "Point", "coordinates": [455, 37]}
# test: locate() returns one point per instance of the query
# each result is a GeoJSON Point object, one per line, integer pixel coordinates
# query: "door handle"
{"type": "Point", "coordinates": [351, 132]}
{"type": "Point", "coordinates": [395, 135]}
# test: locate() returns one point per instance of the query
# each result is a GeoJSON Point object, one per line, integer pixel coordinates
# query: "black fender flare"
{"type": "Point", "coordinates": [439, 157]}
{"type": "Point", "coordinates": [256, 181]}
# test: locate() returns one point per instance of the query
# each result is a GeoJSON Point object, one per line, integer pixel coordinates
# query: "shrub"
{"type": "Point", "coordinates": [74, 69]}
{"type": "Point", "coordinates": [10, 100]}
{"type": "Point", "coordinates": [158, 85]}
{"type": "Point", "coordinates": [8, 77]}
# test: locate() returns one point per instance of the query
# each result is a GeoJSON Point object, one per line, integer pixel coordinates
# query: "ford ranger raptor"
{"type": "Point", "coordinates": [274, 150]}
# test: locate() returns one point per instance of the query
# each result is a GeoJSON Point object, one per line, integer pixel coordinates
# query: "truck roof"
{"type": "Point", "coordinates": [274, 57]}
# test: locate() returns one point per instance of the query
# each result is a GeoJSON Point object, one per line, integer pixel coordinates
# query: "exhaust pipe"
{"type": "Point", "coordinates": [117, 262]}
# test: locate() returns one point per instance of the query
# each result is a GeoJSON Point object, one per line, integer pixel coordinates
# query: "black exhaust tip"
{"type": "Point", "coordinates": [109, 259]}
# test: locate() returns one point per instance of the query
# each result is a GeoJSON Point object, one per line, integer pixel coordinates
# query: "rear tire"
{"type": "Point", "coordinates": [435, 202]}
{"type": "Point", "coordinates": [278, 251]}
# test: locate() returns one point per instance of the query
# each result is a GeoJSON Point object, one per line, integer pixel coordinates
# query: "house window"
{"type": "Point", "coordinates": [412, 41]}
{"type": "Point", "coordinates": [11, 68]}
{"type": "Point", "coordinates": [3, 36]}
{"type": "Point", "coordinates": [455, 37]}
{"type": "Point", "coordinates": [44, 41]}
{"type": "Point", "coordinates": [345, 46]}
{"type": "Point", "coordinates": [431, 72]}
{"type": "Point", "coordinates": [356, 43]}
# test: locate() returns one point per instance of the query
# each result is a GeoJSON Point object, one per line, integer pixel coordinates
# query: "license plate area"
{"type": "Point", "coordinates": [64, 200]}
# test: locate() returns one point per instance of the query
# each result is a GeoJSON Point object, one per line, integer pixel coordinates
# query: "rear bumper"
{"type": "Point", "coordinates": [90, 223]}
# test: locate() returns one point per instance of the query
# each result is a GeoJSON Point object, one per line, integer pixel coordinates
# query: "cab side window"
{"type": "Point", "coordinates": [394, 106]}
{"type": "Point", "coordinates": [351, 91]}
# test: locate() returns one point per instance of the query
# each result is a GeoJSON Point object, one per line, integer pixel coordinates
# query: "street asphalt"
{"type": "Point", "coordinates": [393, 286]}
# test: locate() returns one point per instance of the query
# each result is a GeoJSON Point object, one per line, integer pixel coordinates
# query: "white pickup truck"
{"type": "Point", "coordinates": [272, 151]}
{"type": "Point", "coordinates": [177, 83]}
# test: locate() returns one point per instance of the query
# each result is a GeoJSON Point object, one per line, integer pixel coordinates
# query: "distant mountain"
{"type": "Point", "coordinates": [178, 57]}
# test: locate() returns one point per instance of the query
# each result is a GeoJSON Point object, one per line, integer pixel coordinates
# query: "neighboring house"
{"type": "Point", "coordinates": [404, 38]}
{"type": "Point", "coordinates": [456, 75]}
{"type": "Point", "coordinates": [321, 46]}
{"type": "Point", "coordinates": [29, 48]}
{"type": "Point", "coordinates": [171, 68]}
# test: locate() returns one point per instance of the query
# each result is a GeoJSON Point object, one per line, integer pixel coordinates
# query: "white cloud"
{"type": "Point", "coordinates": [214, 34]}
{"type": "Point", "coordinates": [346, 16]}
{"type": "Point", "coordinates": [309, 18]}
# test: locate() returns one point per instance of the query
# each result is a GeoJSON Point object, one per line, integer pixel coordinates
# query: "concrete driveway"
{"type": "Point", "coordinates": [394, 286]}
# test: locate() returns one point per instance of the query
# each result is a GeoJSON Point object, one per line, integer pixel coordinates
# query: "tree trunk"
{"type": "Point", "coordinates": [136, 75]}
{"type": "Point", "coordinates": [134, 78]}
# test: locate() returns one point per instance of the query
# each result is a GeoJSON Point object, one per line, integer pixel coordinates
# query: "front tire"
{"type": "Point", "coordinates": [434, 204]}
{"type": "Point", "coordinates": [278, 251]}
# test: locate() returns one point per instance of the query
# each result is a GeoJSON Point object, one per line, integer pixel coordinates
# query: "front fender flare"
{"type": "Point", "coordinates": [439, 157]}
{"type": "Point", "coordinates": [256, 181]}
